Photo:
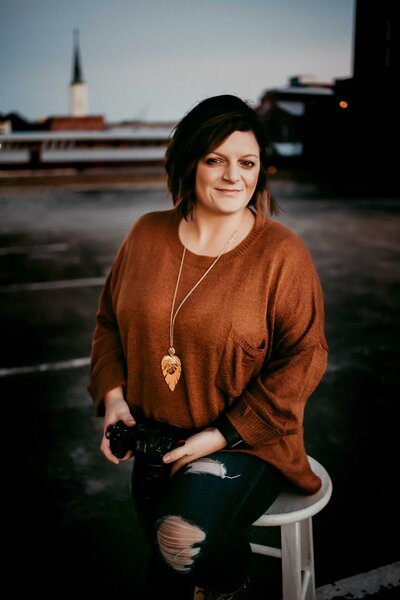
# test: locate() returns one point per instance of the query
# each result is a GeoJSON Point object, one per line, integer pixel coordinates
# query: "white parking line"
{"type": "Point", "coordinates": [52, 285]}
{"type": "Point", "coordinates": [73, 363]}
{"type": "Point", "coordinates": [362, 585]}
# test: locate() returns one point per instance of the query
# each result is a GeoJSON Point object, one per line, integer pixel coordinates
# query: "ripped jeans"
{"type": "Point", "coordinates": [196, 525]}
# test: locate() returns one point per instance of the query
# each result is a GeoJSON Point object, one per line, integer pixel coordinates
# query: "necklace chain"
{"type": "Point", "coordinates": [171, 364]}
{"type": "Point", "coordinates": [173, 316]}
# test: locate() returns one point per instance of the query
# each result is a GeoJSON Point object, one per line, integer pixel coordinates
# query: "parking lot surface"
{"type": "Point", "coordinates": [72, 528]}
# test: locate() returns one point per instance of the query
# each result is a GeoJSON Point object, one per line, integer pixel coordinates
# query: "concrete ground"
{"type": "Point", "coordinates": [72, 532]}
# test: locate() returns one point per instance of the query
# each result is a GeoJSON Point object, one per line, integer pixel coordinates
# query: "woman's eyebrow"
{"type": "Point", "coordinates": [241, 156]}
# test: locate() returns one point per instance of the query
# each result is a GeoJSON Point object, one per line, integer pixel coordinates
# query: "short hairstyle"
{"type": "Point", "coordinates": [202, 130]}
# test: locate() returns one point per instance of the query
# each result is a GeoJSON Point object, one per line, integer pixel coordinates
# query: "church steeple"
{"type": "Point", "coordinates": [77, 68]}
{"type": "Point", "coordinates": [79, 99]}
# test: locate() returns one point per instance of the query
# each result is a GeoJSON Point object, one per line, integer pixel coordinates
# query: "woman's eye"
{"type": "Point", "coordinates": [212, 161]}
{"type": "Point", "coordinates": [248, 163]}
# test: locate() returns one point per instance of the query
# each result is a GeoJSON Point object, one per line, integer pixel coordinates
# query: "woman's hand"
{"type": "Point", "coordinates": [196, 446]}
{"type": "Point", "coordinates": [116, 409]}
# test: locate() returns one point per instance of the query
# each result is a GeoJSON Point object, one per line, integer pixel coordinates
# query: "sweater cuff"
{"type": "Point", "coordinates": [228, 431]}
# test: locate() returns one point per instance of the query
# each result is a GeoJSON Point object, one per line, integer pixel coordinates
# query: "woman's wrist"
{"type": "Point", "coordinates": [233, 438]}
{"type": "Point", "coordinates": [113, 397]}
{"type": "Point", "coordinates": [220, 440]}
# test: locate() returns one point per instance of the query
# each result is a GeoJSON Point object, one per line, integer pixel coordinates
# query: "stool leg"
{"type": "Point", "coordinates": [307, 559]}
{"type": "Point", "coordinates": [291, 561]}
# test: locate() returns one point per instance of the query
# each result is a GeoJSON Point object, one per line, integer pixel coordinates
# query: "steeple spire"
{"type": "Point", "coordinates": [77, 76]}
{"type": "Point", "coordinates": [78, 87]}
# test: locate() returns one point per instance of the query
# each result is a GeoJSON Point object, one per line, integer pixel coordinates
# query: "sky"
{"type": "Point", "coordinates": [155, 59]}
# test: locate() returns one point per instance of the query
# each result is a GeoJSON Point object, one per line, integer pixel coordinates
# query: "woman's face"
{"type": "Point", "coordinates": [227, 177]}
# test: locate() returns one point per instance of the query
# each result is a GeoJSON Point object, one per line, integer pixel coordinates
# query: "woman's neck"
{"type": "Point", "coordinates": [207, 235]}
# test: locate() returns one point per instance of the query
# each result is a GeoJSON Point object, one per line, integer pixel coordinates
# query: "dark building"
{"type": "Point", "coordinates": [368, 130]}
{"type": "Point", "coordinates": [349, 130]}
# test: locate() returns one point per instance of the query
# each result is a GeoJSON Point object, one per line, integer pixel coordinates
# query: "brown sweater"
{"type": "Point", "coordinates": [250, 337]}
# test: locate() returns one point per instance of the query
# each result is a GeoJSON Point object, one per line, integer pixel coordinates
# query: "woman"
{"type": "Point", "coordinates": [211, 327]}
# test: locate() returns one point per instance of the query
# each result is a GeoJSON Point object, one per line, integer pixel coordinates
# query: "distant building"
{"type": "Point", "coordinates": [87, 123]}
{"type": "Point", "coordinates": [15, 122]}
{"type": "Point", "coordinates": [5, 125]}
{"type": "Point", "coordinates": [296, 119]}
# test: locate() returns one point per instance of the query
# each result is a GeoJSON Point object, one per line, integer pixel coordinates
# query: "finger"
{"type": "Point", "coordinates": [108, 454]}
{"type": "Point", "coordinates": [127, 456]}
{"type": "Point", "coordinates": [175, 467]}
{"type": "Point", "coordinates": [112, 459]}
{"type": "Point", "coordinates": [125, 417]}
{"type": "Point", "coordinates": [175, 454]}
{"type": "Point", "coordinates": [179, 464]}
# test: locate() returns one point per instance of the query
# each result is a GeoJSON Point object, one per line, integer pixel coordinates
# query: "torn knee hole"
{"type": "Point", "coordinates": [207, 465]}
{"type": "Point", "coordinates": [178, 542]}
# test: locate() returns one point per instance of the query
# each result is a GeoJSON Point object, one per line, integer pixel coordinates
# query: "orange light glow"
{"type": "Point", "coordinates": [343, 104]}
{"type": "Point", "coordinates": [272, 170]}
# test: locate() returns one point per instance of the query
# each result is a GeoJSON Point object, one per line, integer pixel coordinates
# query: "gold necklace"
{"type": "Point", "coordinates": [170, 363]}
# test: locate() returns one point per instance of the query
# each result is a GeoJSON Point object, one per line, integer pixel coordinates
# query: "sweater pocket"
{"type": "Point", "coordinates": [240, 362]}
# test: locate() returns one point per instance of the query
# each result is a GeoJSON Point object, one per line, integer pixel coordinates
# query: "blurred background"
{"type": "Point", "coordinates": [90, 93]}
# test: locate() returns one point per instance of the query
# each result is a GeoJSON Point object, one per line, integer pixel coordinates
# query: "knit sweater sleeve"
{"type": "Point", "coordinates": [272, 406]}
{"type": "Point", "coordinates": [107, 363]}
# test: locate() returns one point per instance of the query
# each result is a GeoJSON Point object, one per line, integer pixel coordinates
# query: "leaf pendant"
{"type": "Point", "coordinates": [171, 367]}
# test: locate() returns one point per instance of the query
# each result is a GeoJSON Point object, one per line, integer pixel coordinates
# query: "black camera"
{"type": "Point", "coordinates": [149, 441]}
{"type": "Point", "coordinates": [146, 437]}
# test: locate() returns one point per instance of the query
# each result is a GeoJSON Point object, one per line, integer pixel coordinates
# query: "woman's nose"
{"type": "Point", "coordinates": [231, 173]}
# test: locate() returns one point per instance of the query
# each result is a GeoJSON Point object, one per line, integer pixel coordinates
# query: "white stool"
{"type": "Point", "coordinates": [293, 512]}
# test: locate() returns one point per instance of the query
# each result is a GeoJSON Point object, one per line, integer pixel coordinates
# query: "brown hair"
{"type": "Point", "coordinates": [202, 130]}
